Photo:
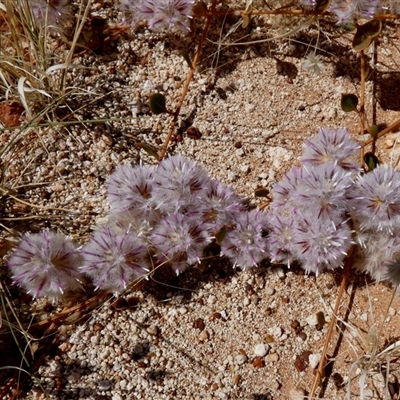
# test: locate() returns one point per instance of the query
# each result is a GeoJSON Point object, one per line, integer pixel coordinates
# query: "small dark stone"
{"type": "Point", "coordinates": [302, 362]}
{"type": "Point", "coordinates": [119, 304]}
{"type": "Point", "coordinates": [295, 324]}
{"type": "Point", "coordinates": [216, 315]}
{"type": "Point", "coordinates": [97, 327]}
{"type": "Point", "coordinates": [258, 362]}
{"type": "Point", "coordinates": [193, 133]}
{"type": "Point", "coordinates": [302, 335]}
{"type": "Point", "coordinates": [133, 301]}
{"type": "Point", "coordinates": [337, 379]}
{"type": "Point", "coordinates": [199, 324]}
{"type": "Point", "coordinates": [249, 288]}
{"type": "Point", "coordinates": [301, 108]}
{"type": "Point", "coordinates": [238, 144]}
{"type": "Point", "coordinates": [329, 285]}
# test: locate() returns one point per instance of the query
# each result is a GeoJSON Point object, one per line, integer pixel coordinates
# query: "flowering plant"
{"type": "Point", "coordinates": [170, 214]}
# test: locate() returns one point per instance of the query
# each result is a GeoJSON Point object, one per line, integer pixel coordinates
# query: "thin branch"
{"type": "Point", "coordinates": [195, 61]}
{"type": "Point", "coordinates": [320, 371]}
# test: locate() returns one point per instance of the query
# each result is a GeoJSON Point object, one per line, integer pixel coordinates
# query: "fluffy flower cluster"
{"type": "Point", "coordinates": [46, 264]}
{"type": "Point", "coordinates": [348, 10]}
{"type": "Point", "coordinates": [177, 209]}
{"type": "Point", "coordinates": [169, 214]}
{"type": "Point", "coordinates": [176, 14]}
{"type": "Point", "coordinates": [308, 218]}
{"type": "Point", "coordinates": [325, 206]}
{"type": "Point", "coordinates": [52, 12]}
{"type": "Point", "coordinates": [164, 215]}
{"type": "Point", "coordinates": [160, 14]}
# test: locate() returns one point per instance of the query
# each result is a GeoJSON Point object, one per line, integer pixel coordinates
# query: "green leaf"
{"type": "Point", "coordinates": [349, 27]}
{"type": "Point", "coordinates": [157, 103]}
{"type": "Point", "coordinates": [261, 192]}
{"type": "Point", "coordinates": [371, 160]}
{"type": "Point", "coordinates": [220, 235]}
{"type": "Point", "coordinates": [186, 56]}
{"type": "Point", "coordinates": [148, 149]}
{"type": "Point", "coordinates": [366, 34]}
{"type": "Point", "coordinates": [373, 131]}
{"type": "Point", "coordinates": [349, 102]}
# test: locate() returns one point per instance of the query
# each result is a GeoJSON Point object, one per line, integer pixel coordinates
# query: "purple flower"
{"type": "Point", "coordinates": [323, 189]}
{"type": "Point", "coordinates": [375, 199]}
{"type": "Point", "coordinates": [348, 10]}
{"type": "Point", "coordinates": [46, 264]}
{"type": "Point", "coordinates": [50, 12]}
{"type": "Point", "coordinates": [218, 206]}
{"type": "Point", "coordinates": [134, 220]}
{"type": "Point", "coordinates": [130, 188]}
{"type": "Point", "coordinates": [179, 240]}
{"type": "Point", "coordinates": [284, 192]}
{"type": "Point", "coordinates": [319, 244]}
{"type": "Point", "coordinates": [114, 260]}
{"type": "Point", "coordinates": [331, 146]}
{"type": "Point", "coordinates": [160, 14]}
{"type": "Point", "coordinates": [376, 250]}
{"type": "Point", "coordinates": [282, 222]}
{"type": "Point", "coordinates": [177, 184]}
{"type": "Point", "coordinates": [246, 244]}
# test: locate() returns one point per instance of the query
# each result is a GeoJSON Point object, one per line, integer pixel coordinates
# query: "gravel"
{"type": "Point", "coordinates": [199, 335]}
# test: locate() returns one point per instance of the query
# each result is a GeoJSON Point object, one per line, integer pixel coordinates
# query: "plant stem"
{"type": "Point", "coordinates": [382, 133]}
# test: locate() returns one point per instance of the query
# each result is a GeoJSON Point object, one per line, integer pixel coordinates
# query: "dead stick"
{"type": "Point", "coordinates": [189, 77]}
{"type": "Point", "coordinates": [361, 111]}
{"type": "Point", "coordinates": [320, 371]}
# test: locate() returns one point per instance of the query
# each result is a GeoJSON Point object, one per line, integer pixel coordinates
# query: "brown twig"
{"type": "Point", "coordinates": [361, 111]}
{"type": "Point", "coordinates": [320, 371]}
{"type": "Point", "coordinates": [189, 77]}
{"type": "Point", "coordinates": [382, 133]}
{"type": "Point", "coordinates": [65, 313]}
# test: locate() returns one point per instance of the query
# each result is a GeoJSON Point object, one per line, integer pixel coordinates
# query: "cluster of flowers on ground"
{"type": "Point", "coordinates": [177, 14]}
{"type": "Point", "coordinates": [169, 214]}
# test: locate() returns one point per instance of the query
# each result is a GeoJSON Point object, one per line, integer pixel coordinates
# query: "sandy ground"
{"type": "Point", "coordinates": [221, 333]}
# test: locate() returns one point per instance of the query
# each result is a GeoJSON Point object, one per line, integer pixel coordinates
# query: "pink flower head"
{"type": "Point", "coordinates": [114, 260]}
{"type": "Point", "coordinates": [130, 187]}
{"type": "Point", "coordinates": [319, 243]}
{"type": "Point", "coordinates": [161, 14]}
{"type": "Point", "coordinates": [52, 12]}
{"type": "Point", "coordinates": [45, 264]}
{"type": "Point", "coordinates": [177, 183]}
{"type": "Point", "coordinates": [246, 244]}
{"type": "Point", "coordinates": [375, 199]}
{"type": "Point", "coordinates": [180, 240]}
{"type": "Point", "coordinates": [331, 145]}
{"type": "Point", "coordinates": [348, 10]}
